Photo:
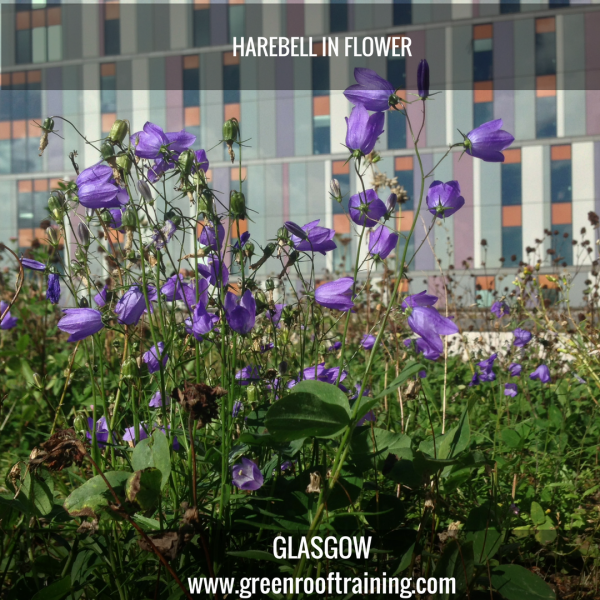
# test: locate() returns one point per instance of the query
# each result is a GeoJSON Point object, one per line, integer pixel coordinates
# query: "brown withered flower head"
{"type": "Point", "coordinates": [200, 400]}
{"type": "Point", "coordinates": [61, 450]}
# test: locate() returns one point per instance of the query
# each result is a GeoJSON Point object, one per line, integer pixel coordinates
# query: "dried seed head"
{"type": "Point", "coordinates": [200, 400]}
{"type": "Point", "coordinates": [60, 451]}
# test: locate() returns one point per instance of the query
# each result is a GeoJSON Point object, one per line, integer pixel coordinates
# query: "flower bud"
{"type": "Point", "coordinates": [237, 204]}
{"type": "Point", "coordinates": [118, 132]}
{"type": "Point", "coordinates": [107, 150]}
{"type": "Point", "coordinates": [205, 204]}
{"type": "Point", "coordinates": [80, 255]}
{"type": "Point", "coordinates": [248, 250]}
{"type": "Point", "coordinates": [174, 217]}
{"type": "Point", "coordinates": [130, 369]}
{"type": "Point", "coordinates": [52, 237]}
{"type": "Point", "coordinates": [186, 161]}
{"type": "Point", "coordinates": [144, 190]}
{"type": "Point", "coordinates": [48, 125]}
{"type": "Point", "coordinates": [38, 381]}
{"type": "Point", "coordinates": [80, 423]}
{"type": "Point", "coordinates": [83, 302]}
{"type": "Point", "coordinates": [251, 391]}
{"type": "Point", "coordinates": [84, 234]}
{"type": "Point", "coordinates": [390, 203]}
{"type": "Point", "coordinates": [231, 130]}
{"type": "Point", "coordinates": [56, 204]}
{"type": "Point", "coordinates": [283, 234]}
{"type": "Point", "coordinates": [124, 162]}
{"type": "Point", "coordinates": [129, 220]}
{"type": "Point", "coordinates": [334, 189]}
{"type": "Point", "coordinates": [269, 285]}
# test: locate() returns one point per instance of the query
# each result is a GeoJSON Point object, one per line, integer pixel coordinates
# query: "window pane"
{"type": "Point", "coordinates": [338, 207]}
{"type": "Point", "coordinates": [55, 42]}
{"type": "Point", "coordinates": [23, 43]}
{"type": "Point", "coordinates": [320, 76]}
{"type": "Point", "coordinates": [512, 245]}
{"type": "Point", "coordinates": [201, 27]}
{"type": "Point", "coordinates": [5, 104]}
{"type": "Point", "coordinates": [509, 6]}
{"type": "Point", "coordinates": [396, 72]}
{"type": "Point", "coordinates": [231, 84]}
{"type": "Point", "coordinates": [34, 162]}
{"type": "Point", "coordinates": [396, 127]}
{"type": "Point", "coordinates": [338, 16]}
{"type": "Point", "coordinates": [402, 12]}
{"type": "Point", "coordinates": [482, 113]}
{"type": "Point", "coordinates": [321, 135]}
{"type": "Point", "coordinates": [19, 103]}
{"type": "Point", "coordinates": [40, 207]}
{"type": "Point", "coordinates": [25, 211]}
{"type": "Point", "coordinates": [236, 21]}
{"type": "Point", "coordinates": [38, 41]}
{"type": "Point", "coordinates": [511, 184]}
{"type": "Point", "coordinates": [5, 156]}
{"type": "Point", "coordinates": [545, 53]}
{"type": "Point", "coordinates": [560, 180]}
{"type": "Point", "coordinates": [562, 245]}
{"type": "Point", "coordinates": [112, 37]}
{"type": "Point", "coordinates": [545, 117]}
{"type": "Point", "coordinates": [483, 65]}
{"type": "Point", "coordinates": [406, 180]}
{"type": "Point", "coordinates": [191, 87]}
{"type": "Point", "coordinates": [34, 103]}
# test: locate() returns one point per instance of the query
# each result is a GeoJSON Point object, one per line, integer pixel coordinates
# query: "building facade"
{"type": "Point", "coordinates": [535, 65]}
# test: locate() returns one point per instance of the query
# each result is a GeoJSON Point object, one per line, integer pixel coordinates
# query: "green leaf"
{"type": "Point", "coordinates": [453, 442]}
{"type": "Point", "coordinates": [258, 439]}
{"type": "Point", "coordinates": [153, 452]}
{"type": "Point", "coordinates": [511, 438]}
{"type": "Point", "coordinates": [38, 494]}
{"type": "Point", "coordinates": [55, 591]}
{"type": "Point", "coordinates": [302, 414]}
{"type": "Point", "coordinates": [538, 516]}
{"type": "Point", "coordinates": [457, 562]}
{"type": "Point", "coordinates": [481, 528]}
{"type": "Point", "coordinates": [143, 487]}
{"type": "Point", "coordinates": [517, 583]}
{"type": "Point", "coordinates": [546, 532]}
{"type": "Point", "coordinates": [409, 371]}
{"type": "Point", "coordinates": [326, 392]}
{"type": "Point", "coordinates": [90, 499]}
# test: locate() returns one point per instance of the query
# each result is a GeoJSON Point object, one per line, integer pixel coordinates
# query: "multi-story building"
{"type": "Point", "coordinates": [535, 65]}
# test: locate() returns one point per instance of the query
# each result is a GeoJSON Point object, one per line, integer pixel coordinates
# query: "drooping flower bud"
{"type": "Point", "coordinates": [130, 369]}
{"type": "Point", "coordinates": [248, 250]}
{"type": "Point", "coordinates": [84, 234]}
{"type": "Point", "coordinates": [144, 190]}
{"type": "Point", "coordinates": [56, 204]}
{"type": "Point", "coordinates": [52, 237]}
{"type": "Point", "coordinates": [283, 234]}
{"type": "Point", "coordinates": [129, 220]}
{"type": "Point", "coordinates": [124, 162]}
{"type": "Point", "coordinates": [205, 204]}
{"type": "Point", "coordinates": [38, 381]}
{"type": "Point", "coordinates": [335, 191]}
{"type": "Point", "coordinates": [186, 161]}
{"type": "Point", "coordinates": [251, 391]}
{"type": "Point", "coordinates": [231, 130]}
{"type": "Point", "coordinates": [107, 151]}
{"type": "Point", "coordinates": [83, 302]}
{"type": "Point", "coordinates": [118, 132]}
{"type": "Point", "coordinates": [423, 79]}
{"type": "Point", "coordinates": [267, 253]}
{"type": "Point", "coordinates": [237, 204]}
{"type": "Point", "coordinates": [80, 423]}
{"type": "Point", "coordinates": [390, 203]}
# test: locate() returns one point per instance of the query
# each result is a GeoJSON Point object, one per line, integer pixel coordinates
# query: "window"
{"type": "Point", "coordinates": [236, 16]}
{"type": "Point", "coordinates": [403, 171]}
{"type": "Point", "coordinates": [191, 94]}
{"type": "Point", "coordinates": [562, 208]}
{"type": "Point", "coordinates": [338, 16]}
{"type": "Point", "coordinates": [231, 86]}
{"type": "Point", "coordinates": [509, 6]}
{"type": "Point", "coordinates": [342, 255]}
{"type": "Point", "coordinates": [201, 24]}
{"type": "Point", "coordinates": [32, 208]}
{"type": "Point", "coordinates": [38, 33]}
{"type": "Point", "coordinates": [402, 12]}
{"type": "Point", "coordinates": [483, 75]}
{"type": "Point", "coordinates": [545, 70]}
{"type": "Point", "coordinates": [396, 75]}
{"type": "Point", "coordinates": [321, 111]}
{"type": "Point", "coordinates": [512, 225]}
{"type": "Point", "coordinates": [20, 106]}
{"type": "Point", "coordinates": [108, 96]}
{"type": "Point", "coordinates": [484, 290]}
{"type": "Point", "coordinates": [112, 28]}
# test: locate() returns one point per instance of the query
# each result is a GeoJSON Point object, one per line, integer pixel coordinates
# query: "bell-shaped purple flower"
{"type": "Point", "coordinates": [368, 341]}
{"type": "Point", "coordinates": [274, 314]}
{"type": "Point", "coordinates": [131, 306]}
{"type": "Point", "coordinates": [173, 288]}
{"type": "Point", "coordinates": [100, 297]}
{"type": "Point", "coordinates": [247, 375]}
{"type": "Point", "coordinates": [101, 431]}
{"type": "Point", "coordinates": [53, 291]}
{"type": "Point", "coordinates": [315, 238]}
{"type": "Point", "coordinates": [423, 79]}
{"type": "Point", "coordinates": [542, 373]}
{"type": "Point", "coordinates": [321, 373]}
{"type": "Point", "coordinates": [487, 141]}
{"type": "Point", "coordinates": [247, 476]}
{"type": "Point", "coordinates": [486, 368]}
{"type": "Point", "coordinates": [363, 129]}
{"type": "Point", "coordinates": [116, 219]}
{"type": "Point", "coordinates": [202, 160]}
{"type": "Point", "coordinates": [334, 347]}
{"type": "Point", "coordinates": [500, 309]}
{"type": "Point", "coordinates": [161, 237]}
{"type": "Point", "coordinates": [240, 312]}
{"type": "Point", "coordinates": [444, 199]}
{"type": "Point", "coordinates": [237, 408]}
{"type": "Point", "coordinates": [514, 369]}
{"type": "Point", "coordinates": [97, 189]}
{"type": "Point", "coordinates": [522, 338]}
{"type": "Point", "coordinates": [152, 141]}
{"type": "Point", "coordinates": [511, 389]}
{"type": "Point", "coordinates": [151, 357]}
{"type": "Point", "coordinates": [98, 173]}
{"type": "Point", "coordinates": [212, 269]}
{"type": "Point", "coordinates": [420, 299]}
{"type": "Point", "coordinates": [474, 380]}
{"type": "Point", "coordinates": [336, 294]}
{"type": "Point", "coordinates": [34, 265]}
{"type": "Point", "coordinates": [80, 323]}
{"type": "Point", "coordinates": [212, 239]}
{"type": "Point", "coordinates": [366, 209]}
{"type": "Point", "coordinates": [156, 400]}
{"type": "Point", "coordinates": [8, 322]}
{"type": "Point", "coordinates": [371, 91]}
{"type": "Point", "coordinates": [382, 242]}
{"type": "Point", "coordinates": [201, 322]}
{"type": "Point", "coordinates": [368, 418]}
